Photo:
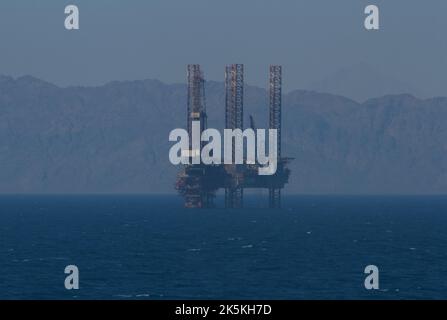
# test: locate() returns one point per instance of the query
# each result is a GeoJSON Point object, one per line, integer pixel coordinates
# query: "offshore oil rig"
{"type": "Point", "coordinates": [198, 183]}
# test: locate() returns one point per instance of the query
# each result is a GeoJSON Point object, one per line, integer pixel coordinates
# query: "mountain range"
{"type": "Point", "coordinates": [114, 138]}
{"type": "Point", "coordinates": [361, 82]}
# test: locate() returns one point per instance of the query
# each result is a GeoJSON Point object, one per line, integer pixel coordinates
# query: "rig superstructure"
{"type": "Point", "coordinates": [198, 183]}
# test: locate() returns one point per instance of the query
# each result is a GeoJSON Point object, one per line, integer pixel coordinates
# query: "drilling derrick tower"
{"type": "Point", "coordinates": [196, 101]}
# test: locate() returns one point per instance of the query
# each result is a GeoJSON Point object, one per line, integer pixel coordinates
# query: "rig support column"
{"type": "Point", "coordinates": [234, 118]}
{"type": "Point", "coordinates": [275, 123]}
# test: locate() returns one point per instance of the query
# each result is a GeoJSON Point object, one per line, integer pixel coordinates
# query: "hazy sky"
{"type": "Point", "coordinates": [136, 39]}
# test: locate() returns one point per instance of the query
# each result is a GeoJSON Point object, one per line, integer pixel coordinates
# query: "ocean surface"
{"type": "Point", "coordinates": [149, 247]}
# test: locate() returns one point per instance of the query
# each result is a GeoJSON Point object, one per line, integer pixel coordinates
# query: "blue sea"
{"type": "Point", "coordinates": [150, 247]}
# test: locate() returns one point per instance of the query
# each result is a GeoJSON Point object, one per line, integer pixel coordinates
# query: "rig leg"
{"type": "Point", "coordinates": [234, 197]}
{"type": "Point", "coordinates": [274, 198]}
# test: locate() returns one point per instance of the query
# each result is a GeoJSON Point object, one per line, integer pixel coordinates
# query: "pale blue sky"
{"type": "Point", "coordinates": [136, 39]}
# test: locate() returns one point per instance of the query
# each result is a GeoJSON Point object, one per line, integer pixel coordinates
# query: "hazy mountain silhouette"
{"type": "Point", "coordinates": [361, 82]}
{"type": "Point", "coordinates": [114, 138]}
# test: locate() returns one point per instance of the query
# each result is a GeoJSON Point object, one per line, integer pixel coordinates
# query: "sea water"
{"type": "Point", "coordinates": [150, 247]}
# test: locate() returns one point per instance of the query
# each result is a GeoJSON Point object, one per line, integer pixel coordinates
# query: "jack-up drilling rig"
{"type": "Point", "coordinates": [198, 183]}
